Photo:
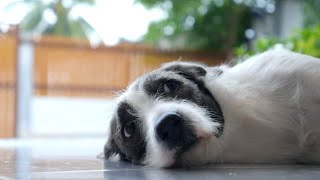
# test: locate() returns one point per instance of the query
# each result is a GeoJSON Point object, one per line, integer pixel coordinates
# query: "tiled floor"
{"type": "Point", "coordinates": [57, 159]}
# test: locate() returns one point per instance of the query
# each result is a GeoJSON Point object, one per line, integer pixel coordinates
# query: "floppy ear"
{"type": "Point", "coordinates": [111, 147]}
{"type": "Point", "coordinates": [191, 71]}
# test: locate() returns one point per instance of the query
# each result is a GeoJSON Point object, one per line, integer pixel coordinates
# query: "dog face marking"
{"type": "Point", "coordinates": [162, 115]}
{"type": "Point", "coordinates": [127, 140]}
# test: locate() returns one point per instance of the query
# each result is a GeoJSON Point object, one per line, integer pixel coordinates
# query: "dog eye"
{"type": "Point", "coordinates": [170, 86]}
{"type": "Point", "coordinates": [129, 129]}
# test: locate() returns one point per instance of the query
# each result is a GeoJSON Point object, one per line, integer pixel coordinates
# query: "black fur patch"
{"type": "Point", "coordinates": [132, 149]}
{"type": "Point", "coordinates": [191, 87]}
{"type": "Point", "coordinates": [196, 74]}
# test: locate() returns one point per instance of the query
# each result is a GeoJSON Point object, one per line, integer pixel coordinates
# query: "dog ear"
{"type": "Point", "coordinates": [111, 147]}
{"type": "Point", "coordinates": [191, 71]}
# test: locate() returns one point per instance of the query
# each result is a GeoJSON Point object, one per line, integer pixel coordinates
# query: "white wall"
{"type": "Point", "coordinates": [70, 116]}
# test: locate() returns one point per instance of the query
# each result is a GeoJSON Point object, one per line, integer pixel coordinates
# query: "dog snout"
{"type": "Point", "coordinates": [169, 129]}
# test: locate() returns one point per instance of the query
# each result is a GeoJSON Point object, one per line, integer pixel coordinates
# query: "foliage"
{"type": "Point", "coordinates": [311, 9]}
{"type": "Point", "coordinates": [202, 24]}
{"type": "Point", "coordinates": [60, 21]}
{"type": "Point", "coordinates": [305, 41]}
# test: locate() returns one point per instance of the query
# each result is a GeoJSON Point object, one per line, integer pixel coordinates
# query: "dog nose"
{"type": "Point", "coordinates": [169, 129]}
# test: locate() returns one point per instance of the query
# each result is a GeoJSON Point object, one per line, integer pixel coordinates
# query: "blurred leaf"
{"type": "Point", "coordinates": [311, 10]}
{"type": "Point", "coordinates": [33, 18]}
{"type": "Point", "coordinates": [34, 21]}
{"type": "Point", "coordinates": [306, 41]}
{"type": "Point", "coordinates": [201, 24]}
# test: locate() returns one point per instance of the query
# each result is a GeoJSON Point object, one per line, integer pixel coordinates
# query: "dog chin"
{"type": "Point", "coordinates": [159, 156]}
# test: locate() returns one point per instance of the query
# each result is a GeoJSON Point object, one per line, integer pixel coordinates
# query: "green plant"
{"type": "Point", "coordinates": [305, 41]}
{"type": "Point", "coordinates": [202, 24]}
{"type": "Point", "coordinates": [311, 9]}
{"type": "Point", "coordinates": [62, 23]}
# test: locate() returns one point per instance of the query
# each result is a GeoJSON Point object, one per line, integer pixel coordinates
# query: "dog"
{"type": "Point", "coordinates": [263, 110]}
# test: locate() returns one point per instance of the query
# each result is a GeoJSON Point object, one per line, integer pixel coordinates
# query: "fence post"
{"type": "Point", "coordinates": [24, 87]}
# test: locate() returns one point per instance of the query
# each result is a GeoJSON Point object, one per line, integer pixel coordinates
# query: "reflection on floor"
{"type": "Point", "coordinates": [59, 159]}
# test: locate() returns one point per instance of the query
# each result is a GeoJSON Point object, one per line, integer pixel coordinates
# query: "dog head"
{"type": "Point", "coordinates": [163, 115]}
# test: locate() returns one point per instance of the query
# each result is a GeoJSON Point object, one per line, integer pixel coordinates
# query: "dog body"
{"type": "Point", "coordinates": [264, 110]}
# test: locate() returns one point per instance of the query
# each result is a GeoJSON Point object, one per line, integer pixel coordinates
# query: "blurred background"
{"type": "Point", "coordinates": [62, 61]}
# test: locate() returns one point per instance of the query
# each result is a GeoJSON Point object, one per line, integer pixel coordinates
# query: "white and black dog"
{"type": "Point", "coordinates": [264, 110]}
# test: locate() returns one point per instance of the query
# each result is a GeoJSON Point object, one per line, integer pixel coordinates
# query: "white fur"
{"type": "Point", "coordinates": [271, 107]}
{"type": "Point", "coordinates": [159, 156]}
{"type": "Point", "coordinates": [149, 109]}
